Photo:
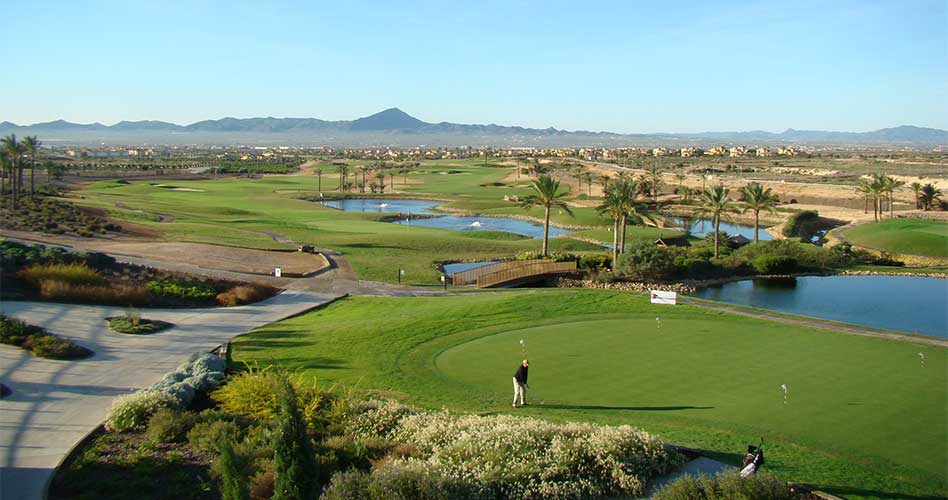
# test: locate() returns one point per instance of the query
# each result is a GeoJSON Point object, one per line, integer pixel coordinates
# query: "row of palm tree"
{"type": "Point", "coordinates": [621, 201]}
{"type": "Point", "coordinates": [925, 195]}
{"type": "Point", "coordinates": [379, 172]}
{"type": "Point", "coordinates": [13, 155]}
{"type": "Point", "coordinates": [878, 189]}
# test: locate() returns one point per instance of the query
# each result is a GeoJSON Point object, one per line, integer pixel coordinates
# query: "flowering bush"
{"type": "Point", "coordinates": [255, 393]}
{"type": "Point", "coordinates": [131, 411]}
{"type": "Point", "coordinates": [399, 480]}
{"type": "Point", "coordinates": [726, 487]}
{"type": "Point", "coordinates": [514, 457]}
{"type": "Point", "coordinates": [202, 372]}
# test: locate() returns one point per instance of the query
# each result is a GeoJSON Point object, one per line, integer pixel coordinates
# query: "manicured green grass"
{"type": "Point", "coordinates": [863, 420]}
{"type": "Point", "coordinates": [911, 236]}
{"type": "Point", "coordinates": [240, 212]}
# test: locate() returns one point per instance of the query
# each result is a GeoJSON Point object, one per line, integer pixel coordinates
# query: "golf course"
{"type": "Point", "coordinates": [927, 238]}
{"type": "Point", "coordinates": [863, 417]}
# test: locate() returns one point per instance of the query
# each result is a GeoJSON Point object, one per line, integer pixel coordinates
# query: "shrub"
{"type": "Point", "coordinates": [774, 264]}
{"type": "Point", "coordinates": [197, 291]}
{"type": "Point", "coordinates": [245, 294]}
{"type": "Point", "coordinates": [692, 267]}
{"type": "Point", "coordinates": [208, 436]}
{"type": "Point", "coordinates": [261, 486]}
{"type": "Point", "coordinates": [647, 261]}
{"type": "Point", "coordinates": [233, 482]}
{"type": "Point", "coordinates": [109, 294]}
{"type": "Point", "coordinates": [294, 460]}
{"type": "Point", "coordinates": [71, 274]}
{"type": "Point", "coordinates": [595, 262]}
{"type": "Point", "coordinates": [255, 393]}
{"type": "Point", "coordinates": [52, 347]}
{"type": "Point", "coordinates": [529, 255]}
{"type": "Point", "coordinates": [170, 425]}
{"type": "Point", "coordinates": [726, 486]}
{"type": "Point", "coordinates": [123, 324]}
{"type": "Point", "coordinates": [131, 411]}
{"type": "Point", "coordinates": [14, 331]}
{"type": "Point", "coordinates": [514, 457]}
{"type": "Point", "coordinates": [404, 480]}
{"type": "Point", "coordinates": [802, 224]}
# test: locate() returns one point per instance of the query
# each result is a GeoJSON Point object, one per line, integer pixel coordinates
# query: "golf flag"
{"type": "Point", "coordinates": [663, 297]}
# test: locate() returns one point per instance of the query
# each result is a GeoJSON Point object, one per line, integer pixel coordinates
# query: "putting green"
{"type": "Point", "coordinates": [928, 238]}
{"type": "Point", "coordinates": [841, 399]}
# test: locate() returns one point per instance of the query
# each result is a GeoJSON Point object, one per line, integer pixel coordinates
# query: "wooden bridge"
{"type": "Point", "coordinates": [511, 273]}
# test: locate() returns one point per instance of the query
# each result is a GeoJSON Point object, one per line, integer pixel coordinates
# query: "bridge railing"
{"type": "Point", "coordinates": [526, 271]}
{"type": "Point", "coordinates": [471, 275]}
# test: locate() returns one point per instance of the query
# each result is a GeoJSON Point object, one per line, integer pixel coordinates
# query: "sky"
{"type": "Point", "coordinates": [624, 66]}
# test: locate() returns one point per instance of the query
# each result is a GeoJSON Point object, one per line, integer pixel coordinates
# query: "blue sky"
{"type": "Point", "coordinates": [625, 66]}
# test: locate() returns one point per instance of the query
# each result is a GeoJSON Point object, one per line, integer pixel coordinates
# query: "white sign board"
{"type": "Point", "coordinates": [663, 297]}
{"type": "Point", "coordinates": [278, 272]}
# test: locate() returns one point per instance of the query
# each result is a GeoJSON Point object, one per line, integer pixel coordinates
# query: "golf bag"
{"type": "Point", "coordinates": [753, 460]}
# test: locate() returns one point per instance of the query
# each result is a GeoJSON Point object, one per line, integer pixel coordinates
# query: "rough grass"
{"type": "Point", "coordinates": [863, 417]}
{"type": "Point", "coordinates": [910, 236]}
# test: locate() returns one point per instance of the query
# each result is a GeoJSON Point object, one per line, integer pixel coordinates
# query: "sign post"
{"type": "Point", "coordinates": [278, 272]}
{"type": "Point", "coordinates": [663, 297]}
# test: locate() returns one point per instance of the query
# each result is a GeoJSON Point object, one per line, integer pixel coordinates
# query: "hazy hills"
{"type": "Point", "coordinates": [396, 128]}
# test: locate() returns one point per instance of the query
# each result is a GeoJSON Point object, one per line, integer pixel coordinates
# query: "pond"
{"type": "Point", "coordinates": [901, 303]}
{"type": "Point", "coordinates": [453, 222]}
{"type": "Point", "coordinates": [702, 227]}
{"type": "Point", "coordinates": [384, 206]}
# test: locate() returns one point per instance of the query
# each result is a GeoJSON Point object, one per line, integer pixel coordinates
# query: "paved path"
{"type": "Point", "coordinates": [55, 404]}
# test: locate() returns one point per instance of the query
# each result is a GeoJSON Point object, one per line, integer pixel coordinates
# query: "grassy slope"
{"type": "Point", "coordinates": [917, 237]}
{"type": "Point", "coordinates": [865, 420]}
{"type": "Point", "coordinates": [238, 211]}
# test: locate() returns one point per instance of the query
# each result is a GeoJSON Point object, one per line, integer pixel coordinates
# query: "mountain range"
{"type": "Point", "coordinates": [394, 127]}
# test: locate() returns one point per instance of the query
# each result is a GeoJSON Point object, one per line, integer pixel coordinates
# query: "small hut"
{"type": "Point", "coordinates": [673, 242]}
{"type": "Point", "coordinates": [737, 241]}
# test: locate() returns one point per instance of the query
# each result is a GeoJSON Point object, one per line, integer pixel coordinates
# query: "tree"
{"type": "Point", "coordinates": [890, 185]}
{"type": "Point", "coordinates": [233, 483]}
{"type": "Point", "coordinates": [588, 177]}
{"type": "Point", "coordinates": [680, 177]}
{"type": "Point", "coordinates": [631, 208]}
{"type": "Point", "coordinates": [30, 145]}
{"type": "Point", "coordinates": [546, 194]}
{"type": "Point", "coordinates": [14, 151]}
{"type": "Point", "coordinates": [343, 175]}
{"type": "Point", "coordinates": [53, 170]}
{"type": "Point", "coordinates": [613, 205]}
{"type": "Point", "coordinates": [380, 175]}
{"type": "Point", "coordinates": [319, 179]}
{"type": "Point", "coordinates": [864, 189]}
{"type": "Point", "coordinates": [578, 171]}
{"type": "Point", "coordinates": [294, 460]}
{"type": "Point", "coordinates": [655, 182]}
{"type": "Point", "coordinates": [929, 195]}
{"type": "Point", "coordinates": [757, 198]}
{"type": "Point", "coordinates": [362, 170]}
{"type": "Point", "coordinates": [4, 166]}
{"type": "Point", "coordinates": [605, 179]}
{"type": "Point", "coordinates": [716, 204]}
{"type": "Point", "coordinates": [916, 189]}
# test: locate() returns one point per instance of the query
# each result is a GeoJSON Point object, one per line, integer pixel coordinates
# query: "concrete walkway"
{"type": "Point", "coordinates": [55, 404]}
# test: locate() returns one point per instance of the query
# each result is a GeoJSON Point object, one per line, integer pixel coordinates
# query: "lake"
{"type": "Point", "coordinates": [900, 303]}
{"type": "Point", "coordinates": [465, 266]}
{"type": "Point", "coordinates": [453, 222]}
{"type": "Point", "coordinates": [702, 227]}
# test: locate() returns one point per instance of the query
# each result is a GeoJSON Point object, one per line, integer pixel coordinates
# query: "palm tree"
{"type": "Point", "coordinates": [30, 145]}
{"type": "Point", "coordinates": [343, 175]}
{"type": "Point", "coordinates": [14, 151]}
{"type": "Point", "coordinates": [362, 170]}
{"type": "Point", "coordinates": [605, 179]}
{"type": "Point", "coordinates": [891, 184]}
{"type": "Point", "coordinates": [380, 175]}
{"type": "Point", "coordinates": [546, 194]}
{"type": "Point", "coordinates": [588, 177]}
{"type": "Point", "coordinates": [578, 171]}
{"type": "Point", "coordinates": [929, 195]}
{"type": "Point", "coordinates": [613, 205]}
{"type": "Point", "coordinates": [757, 198]}
{"type": "Point", "coordinates": [632, 209]}
{"type": "Point", "coordinates": [680, 177]}
{"type": "Point", "coordinates": [864, 189]}
{"type": "Point", "coordinates": [4, 165]}
{"type": "Point", "coordinates": [319, 179]}
{"type": "Point", "coordinates": [654, 175]}
{"type": "Point", "coordinates": [686, 193]}
{"type": "Point", "coordinates": [916, 189]}
{"type": "Point", "coordinates": [715, 203]}
{"type": "Point", "coordinates": [877, 186]}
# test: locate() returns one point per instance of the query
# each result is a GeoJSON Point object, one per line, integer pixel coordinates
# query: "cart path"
{"type": "Point", "coordinates": [55, 404]}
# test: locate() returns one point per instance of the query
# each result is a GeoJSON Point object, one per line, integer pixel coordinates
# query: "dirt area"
{"type": "Point", "coordinates": [241, 260]}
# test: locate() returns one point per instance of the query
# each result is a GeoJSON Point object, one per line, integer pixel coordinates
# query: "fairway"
{"type": "Point", "coordinates": [927, 238]}
{"type": "Point", "coordinates": [863, 418]}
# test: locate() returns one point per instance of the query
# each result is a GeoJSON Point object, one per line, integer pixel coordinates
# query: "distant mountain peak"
{"type": "Point", "coordinates": [389, 119]}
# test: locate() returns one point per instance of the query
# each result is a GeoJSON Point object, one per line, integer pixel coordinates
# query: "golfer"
{"type": "Point", "coordinates": [520, 382]}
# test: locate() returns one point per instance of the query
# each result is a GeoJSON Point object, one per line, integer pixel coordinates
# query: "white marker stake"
{"type": "Point", "coordinates": [921, 357]}
{"type": "Point", "coordinates": [786, 392]}
{"type": "Point", "coordinates": [658, 324]}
